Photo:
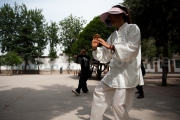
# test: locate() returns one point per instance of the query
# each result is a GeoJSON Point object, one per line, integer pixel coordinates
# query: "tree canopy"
{"type": "Point", "coordinates": [70, 27]}
{"type": "Point", "coordinates": [53, 39]}
{"type": "Point", "coordinates": [22, 31]}
{"type": "Point", "coordinates": [11, 59]}
{"type": "Point", "coordinates": [85, 37]}
{"type": "Point", "coordinates": [148, 49]}
{"type": "Point", "coordinates": [158, 19]}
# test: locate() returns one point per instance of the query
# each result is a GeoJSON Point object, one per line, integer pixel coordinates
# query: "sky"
{"type": "Point", "coordinates": [57, 10]}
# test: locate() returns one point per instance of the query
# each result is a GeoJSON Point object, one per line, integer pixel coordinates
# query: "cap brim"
{"type": "Point", "coordinates": [104, 19]}
{"type": "Point", "coordinates": [104, 16]}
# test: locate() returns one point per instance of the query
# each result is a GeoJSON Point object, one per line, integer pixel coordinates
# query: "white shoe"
{"type": "Point", "coordinates": [74, 91]}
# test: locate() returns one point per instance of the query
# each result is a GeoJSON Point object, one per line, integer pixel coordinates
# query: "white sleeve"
{"type": "Point", "coordinates": [128, 51]}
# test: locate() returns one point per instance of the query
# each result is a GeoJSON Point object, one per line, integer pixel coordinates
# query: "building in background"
{"type": "Point", "coordinates": [62, 63]}
{"type": "Point", "coordinates": [59, 63]}
{"type": "Point", "coordinates": [156, 66]}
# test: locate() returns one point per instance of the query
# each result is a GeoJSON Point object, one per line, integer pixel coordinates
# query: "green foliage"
{"type": "Point", "coordinates": [70, 27]}
{"type": "Point", "coordinates": [86, 36]}
{"type": "Point", "coordinates": [9, 23]}
{"type": "Point", "coordinates": [1, 60]}
{"type": "Point", "coordinates": [12, 59]}
{"type": "Point", "coordinates": [148, 49]}
{"type": "Point", "coordinates": [158, 19]}
{"type": "Point", "coordinates": [52, 35]}
{"type": "Point", "coordinates": [22, 31]}
{"type": "Point", "coordinates": [53, 40]}
{"type": "Point", "coordinates": [52, 54]}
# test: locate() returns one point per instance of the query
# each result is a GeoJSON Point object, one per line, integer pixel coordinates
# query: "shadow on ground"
{"type": "Point", "coordinates": [51, 102]}
{"type": "Point", "coordinates": [54, 101]}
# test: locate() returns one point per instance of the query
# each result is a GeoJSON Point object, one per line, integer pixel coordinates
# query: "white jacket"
{"type": "Point", "coordinates": [125, 63]}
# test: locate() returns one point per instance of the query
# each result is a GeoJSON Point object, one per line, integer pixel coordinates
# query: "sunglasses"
{"type": "Point", "coordinates": [108, 21]}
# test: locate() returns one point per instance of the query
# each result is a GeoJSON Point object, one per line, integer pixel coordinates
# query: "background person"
{"type": "Point", "coordinates": [140, 87]}
{"type": "Point", "coordinates": [83, 60]}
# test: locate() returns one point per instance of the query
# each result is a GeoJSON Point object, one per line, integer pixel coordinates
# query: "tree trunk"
{"type": "Point", "coordinates": [165, 64]}
{"type": "Point", "coordinates": [68, 68]}
{"type": "Point", "coordinates": [51, 68]}
{"type": "Point", "coordinates": [11, 72]}
{"type": "Point", "coordinates": [164, 76]}
{"type": "Point", "coordinates": [38, 69]}
{"type": "Point", "coordinates": [26, 62]}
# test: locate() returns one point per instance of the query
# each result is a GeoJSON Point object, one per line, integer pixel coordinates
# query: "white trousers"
{"type": "Point", "coordinates": [121, 100]}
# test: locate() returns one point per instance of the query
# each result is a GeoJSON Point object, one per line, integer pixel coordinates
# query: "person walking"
{"type": "Point", "coordinates": [84, 61]}
{"type": "Point", "coordinates": [140, 87]}
{"type": "Point", "coordinates": [123, 50]}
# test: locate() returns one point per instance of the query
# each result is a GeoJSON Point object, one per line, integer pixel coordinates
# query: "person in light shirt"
{"type": "Point", "coordinates": [123, 50]}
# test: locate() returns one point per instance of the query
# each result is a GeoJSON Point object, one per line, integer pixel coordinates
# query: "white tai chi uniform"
{"type": "Point", "coordinates": [118, 85]}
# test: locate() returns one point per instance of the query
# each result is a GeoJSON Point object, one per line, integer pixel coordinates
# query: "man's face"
{"type": "Point", "coordinates": [82, 52]}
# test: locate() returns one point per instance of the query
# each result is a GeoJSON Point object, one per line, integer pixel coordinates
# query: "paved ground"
{"type": "Point", "coordinates": [49, 97]}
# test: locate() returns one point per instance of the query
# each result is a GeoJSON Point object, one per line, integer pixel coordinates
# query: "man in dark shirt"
{"type": "Point", "coordinates": [139, 87]}
{"type": "Point", "coordinates": [82, 59]}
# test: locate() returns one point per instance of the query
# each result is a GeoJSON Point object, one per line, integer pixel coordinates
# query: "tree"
{"type": "Point", "coordinates": [70, 27]}
{"type": "Point", "coordinates": [85, 37]}
{"type": "Point", "coordinates": [9, 19]}
{"type": "Point", "coordinates": [31, 39]}
{"type": "Point", "coordinates": [1, 62]}
{"type": "Point", "coordinates": [53, 40]}
{"type": "Point", "coordinates": [22, 31]}
{"type": "Point", "coordinates": [52, 55]}
{"type": "Point", "coordinates": [158, 19]}
{"type": "Point", "coordinates": [12, 59]}
{"type": "Point", "coordinates": [41, 41]}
